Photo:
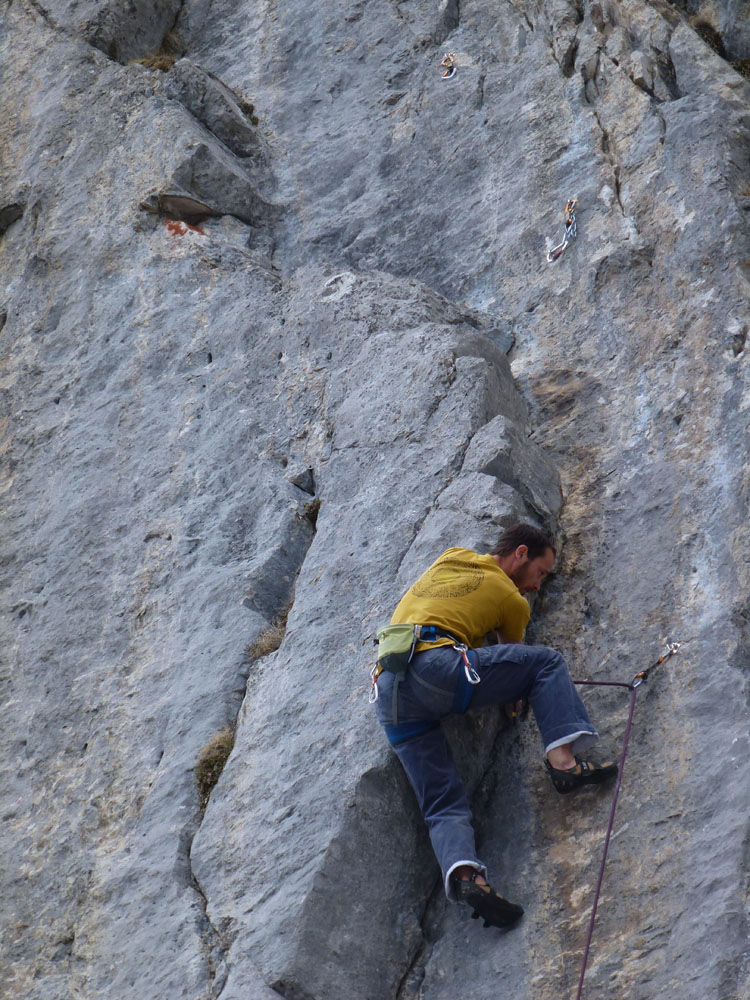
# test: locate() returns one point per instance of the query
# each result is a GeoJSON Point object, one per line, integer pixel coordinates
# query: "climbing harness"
{"type": "Point", "coordinates": [448, 62]}
{"type": "Point", "coordinates": [633, 686]}
{"type": "Point", "coordinates": [396, 645]}
{"type": "Point", "coordinates": [570, 232]}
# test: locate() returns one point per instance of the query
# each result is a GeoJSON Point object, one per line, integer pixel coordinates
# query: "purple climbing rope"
{"type": "Point", "coordinates": [633, 688]}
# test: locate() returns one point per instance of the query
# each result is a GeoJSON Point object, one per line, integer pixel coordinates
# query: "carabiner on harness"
{"type": "Point", "coordinates": [471, 675]}
{"type": "Point", "coordinates": [374, 674]}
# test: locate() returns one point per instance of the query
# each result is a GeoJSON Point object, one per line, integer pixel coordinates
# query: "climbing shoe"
{"type": "Point", "coordinates": [585, 772]}
{"type": "Point", "coordinates": [487, 903]}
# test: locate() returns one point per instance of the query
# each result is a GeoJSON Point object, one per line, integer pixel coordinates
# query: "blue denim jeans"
{"type": "Point", "coordinates": [432, 689]}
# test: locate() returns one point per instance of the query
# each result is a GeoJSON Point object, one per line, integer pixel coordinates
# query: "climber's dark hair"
{"type": "Point", "coordinates": [536, 541]}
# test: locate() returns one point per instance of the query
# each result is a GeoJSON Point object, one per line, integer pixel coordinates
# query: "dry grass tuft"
{"type": "Point", "coordinates": [162, 61]}
{"type": "Point", "coordinates": [211, 761]}
{"type": "Point", "coordinates": [247, 109]}
{"type": "Point", "coordinates": [267, 642]}
{"type": "Point", "coordinates": [269, 639]}
{"type": "Point", "coordinates": [172, 48]}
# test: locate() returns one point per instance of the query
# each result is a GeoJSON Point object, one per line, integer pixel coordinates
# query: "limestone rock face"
{"type": "Point", "coordinates": [277, 327]}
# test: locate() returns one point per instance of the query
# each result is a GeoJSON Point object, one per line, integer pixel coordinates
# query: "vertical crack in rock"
{"type": "Point", "coordinates": [178, 14]}
{"type": "Point", "coordinates": [215, 946]}
{"type": "Point", "coordinates": [449, 20]}
{"type": "Point", "coordinates": [568, 62]}
{"type": "Point", "coordinates": [589, 75]}
{"type": "Point", "coordinates": [479, 99]}
{"type": "Point", "coordinates": [277, 605]}
{"type": "Point", "coordinates": [607, 148]}
{"type": "Point", "coordinates": [410, 986]}
{"type": "Point", "coordinates": [562, 30]}
{"type": "Point", "coordinates": [171, 46]}
{"type": "Point", "coordinates": [668, 73]}
{"type": "Point", "coordinates": [662, 124]}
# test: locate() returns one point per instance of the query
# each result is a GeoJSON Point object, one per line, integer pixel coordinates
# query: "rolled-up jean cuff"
{"type": "Point", "coordinates": [450, 890]}
{"type": "Point", "coordinates": [580, 741]}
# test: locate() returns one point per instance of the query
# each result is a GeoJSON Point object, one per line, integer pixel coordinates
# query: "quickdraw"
{"type": "Point", "coordinates": [448, 62]}
{"type": "Point", "coordinates": [471, 675]}
{"type": "Point", "coordinates": [570, 232]}
{"type": "Point", "coordinates": [376, 671]}
{"type": "Point", "coordinates": [639, 678]}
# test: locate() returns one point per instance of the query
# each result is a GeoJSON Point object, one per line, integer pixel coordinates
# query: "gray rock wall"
{"type": "Point", "coordinates": [276, 327]}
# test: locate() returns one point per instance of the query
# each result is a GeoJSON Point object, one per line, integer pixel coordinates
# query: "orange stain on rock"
{"type": "Point", "coordinates": [179, 228]}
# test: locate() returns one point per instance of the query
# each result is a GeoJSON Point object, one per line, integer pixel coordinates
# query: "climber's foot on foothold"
{"type": "Point", "coordinates": [486, 903]}
{"type": "Point", "coordinates": [585, 772]}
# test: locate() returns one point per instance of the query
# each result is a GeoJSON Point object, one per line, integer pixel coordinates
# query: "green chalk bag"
{"type": "Point", "coordinates": [396, 647]}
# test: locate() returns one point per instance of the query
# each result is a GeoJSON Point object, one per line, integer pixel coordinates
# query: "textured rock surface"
{"type": "Point", "coordinates": [254, 320]}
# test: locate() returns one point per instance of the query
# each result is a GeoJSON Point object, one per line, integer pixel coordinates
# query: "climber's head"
{"type": "Point", "coordinates": [525, 554]}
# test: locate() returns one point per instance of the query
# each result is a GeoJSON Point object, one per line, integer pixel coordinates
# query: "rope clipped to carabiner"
{"type": "Point", "coordinates": [570, 232]}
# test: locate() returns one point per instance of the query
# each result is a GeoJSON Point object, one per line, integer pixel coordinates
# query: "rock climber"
{"type": "Point", "coordinates": [460, 600]}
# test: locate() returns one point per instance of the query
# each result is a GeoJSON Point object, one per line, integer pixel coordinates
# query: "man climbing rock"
{"type": "Point", "coordinates": [444, 667]}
